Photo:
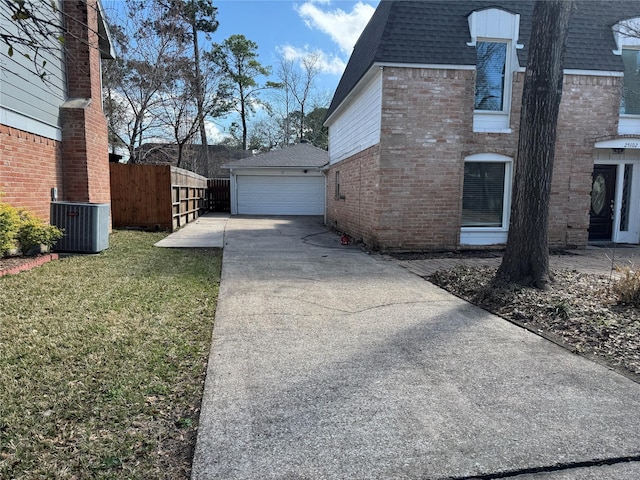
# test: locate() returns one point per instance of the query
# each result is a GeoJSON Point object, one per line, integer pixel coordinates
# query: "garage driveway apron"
{"type": "Point", "coordinates": [328, 363]}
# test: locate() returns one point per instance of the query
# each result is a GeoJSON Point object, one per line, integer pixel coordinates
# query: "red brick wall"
{"type": "Point", "coordinates": [29, 167]}
{"type": "Point", "coordinates": [84, 128]}
{"type": "Point", "coordinates": [357, 210]}
{"type": "Point", "coordinates": [414, 189]}
{"type": "Point", "coordinates": [78, 166]}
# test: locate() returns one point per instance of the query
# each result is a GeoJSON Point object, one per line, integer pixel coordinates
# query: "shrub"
{"type": "Point", "coordinates": [627, 288]}
{"type": "Point", "coordinates": [9, 226]}
{"type": "Point", "coordinates": [33, 233]}
{"type": "Point", "coordinates": [21, 230]}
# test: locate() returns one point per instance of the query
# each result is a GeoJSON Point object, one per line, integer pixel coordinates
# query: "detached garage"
{"type": "Point", "coordinates": [289, 181]}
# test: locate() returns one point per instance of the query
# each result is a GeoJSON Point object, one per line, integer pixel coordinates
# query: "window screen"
{"type": "Point", "coordinates": [630, 103]}
{"type": "Point", "coordinates": [483, 194]}
{"type": "Point", "coordinates": [490, 71]}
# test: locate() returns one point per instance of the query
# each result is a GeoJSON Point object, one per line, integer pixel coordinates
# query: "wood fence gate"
{"type": "Point", "coordinates": [219, 195]}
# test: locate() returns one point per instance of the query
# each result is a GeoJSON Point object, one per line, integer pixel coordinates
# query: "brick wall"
{"type": "Point", "coordinates": [412, 188]}
{"type": "Point", "coordinates": [85, 152]}
{"type": "Point", "coordinates": [357, 210]}
{"type": "Point", "coordinates": [29, 167]}
{"type": "Point", "coordinates": [589, 110]}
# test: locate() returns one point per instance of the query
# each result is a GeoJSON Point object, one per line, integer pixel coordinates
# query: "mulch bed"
{"type": "Point", "coordinates": [580, 312]}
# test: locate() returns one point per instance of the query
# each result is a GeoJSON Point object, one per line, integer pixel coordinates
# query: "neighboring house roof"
{"type": "Point", "coordinates": [437, 32]}
{"type": "Point", "coordinates": [165, 153]}
{"type": "Point", "coordinates": [300, 155]}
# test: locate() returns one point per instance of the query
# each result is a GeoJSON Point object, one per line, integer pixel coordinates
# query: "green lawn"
{"type": "Point", "coordinates": [102, 361]}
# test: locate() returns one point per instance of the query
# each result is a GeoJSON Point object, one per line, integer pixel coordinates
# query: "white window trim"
{"type": "Point", "coordinates": [496, 25]}
{"type": "Point", "coordinates": [626, 38]}
{"type": "Point", "coordinates": [491, 235]}
{"type": "Point", "coordinates": [487, 121]}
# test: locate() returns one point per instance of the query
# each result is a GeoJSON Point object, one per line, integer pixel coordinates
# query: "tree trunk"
{"type": "Point", "coordinates": [526, 258]}
{"type": "Point", "coordinates": [204, 151]}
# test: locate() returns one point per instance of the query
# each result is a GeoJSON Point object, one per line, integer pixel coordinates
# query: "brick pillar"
{"type": "Point", "coordinates": [85, 150]}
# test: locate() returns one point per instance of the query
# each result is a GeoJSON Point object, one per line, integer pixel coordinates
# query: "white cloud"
{"type": "Point", "coordinates": [343, 27]}
{"type": "Point", "coordinates": [331, 64]}
{"type": "Point", "coordinates": [214, 134]}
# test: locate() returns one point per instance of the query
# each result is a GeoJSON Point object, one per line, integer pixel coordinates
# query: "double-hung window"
{"type": "Point", "coordinates": [494, 35]}
{"type": "Point", "coordinates": [628, 43]}
{"type": "Point", "coordinates": [486, 199]}
{"type": "Point", "coordinates": [491, 68]}
{"type": "Point", "coordinates": [630, 101]}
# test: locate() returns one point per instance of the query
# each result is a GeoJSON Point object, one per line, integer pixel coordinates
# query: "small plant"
{"type": "Point", "coordinates": [33, 233]}
{"type": "Point", "coordinates": [562, 309]}
{"type": "Point", "coordinates": [9, 227]}
{"type": "Point", "coordinates": [627, 288]}
{"type": "Point", "coordinates": [21, 230]}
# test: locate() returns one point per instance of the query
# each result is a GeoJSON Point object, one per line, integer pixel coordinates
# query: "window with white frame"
{"type": "Point", "coordinates": [486, 199]}
{"type": "Point", "coordinates": [491, 64]}
{"type": "Point", "coordinates": [628, 47]}
{"type": "Point", "coordinates": [630, 100]}
{"type": "Point", "coordinates": [494, 34]}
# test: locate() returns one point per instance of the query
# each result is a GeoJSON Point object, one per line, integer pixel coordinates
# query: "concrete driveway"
{"type": "Point", "coordinates": [328, 363]}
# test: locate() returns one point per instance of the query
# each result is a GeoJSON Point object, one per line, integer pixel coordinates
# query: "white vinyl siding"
{"type": "Point", "coordinates": [28, 102]}
{"type": "Point", "coordinates": [357, 127]}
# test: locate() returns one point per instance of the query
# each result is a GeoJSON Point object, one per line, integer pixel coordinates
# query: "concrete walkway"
{"type": "Point", "coordinates": [207, 231]}
{"type": "Point", "coordinates": [328, 363]}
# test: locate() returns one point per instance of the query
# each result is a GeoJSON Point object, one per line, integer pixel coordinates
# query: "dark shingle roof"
{"type": "Point", "coordinates": [300, 155]}
{"type": "Point", "coordinates": [437, 32]}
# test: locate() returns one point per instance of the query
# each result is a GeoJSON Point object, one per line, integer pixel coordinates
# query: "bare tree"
{"type": "Point", "coordinates": [301, 88]}
{"type": "Point", "coordinates": [149, 49]}
{"type": "Point", "coordinates": [526, 259]}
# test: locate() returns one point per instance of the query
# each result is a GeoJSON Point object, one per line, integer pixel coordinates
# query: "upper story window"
{"type": "Point", "coordinates": [628, 43]}
{"type": "Point", "coordinates": [494, 34]}
{"type": "Point", "coordinates": [630, 101]}
{"type": "Point", "coordinates": [491, 63]}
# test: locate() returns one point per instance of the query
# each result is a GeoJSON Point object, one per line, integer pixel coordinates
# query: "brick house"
{"type": "Point", "coordinates": [53, 132]}
{"type": "Point", "coordinates": [423, 126]}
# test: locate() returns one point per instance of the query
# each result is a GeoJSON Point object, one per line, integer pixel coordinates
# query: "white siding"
{"type": "Point", "coordinates": [28, 102]}
{"type": "Point", "coordinates": [357, 126]}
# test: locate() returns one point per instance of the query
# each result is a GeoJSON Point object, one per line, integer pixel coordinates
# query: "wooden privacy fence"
{"type": "Point", "coordinates": [159, 197]}
{"type": "Point", "coordinates": [219, 194]}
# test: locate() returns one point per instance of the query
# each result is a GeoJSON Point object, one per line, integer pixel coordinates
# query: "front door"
{"type": "Point", "coordinates": [602, 198]}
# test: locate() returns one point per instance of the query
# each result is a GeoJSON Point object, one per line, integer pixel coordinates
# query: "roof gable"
{"type": "Point", "coordinates": [437, 33]}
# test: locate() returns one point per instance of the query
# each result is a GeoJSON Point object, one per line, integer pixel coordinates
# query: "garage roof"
{"type": "Point", "coordinates": [300, 155]}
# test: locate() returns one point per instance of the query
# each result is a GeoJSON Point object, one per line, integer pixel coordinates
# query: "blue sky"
{"type": "Point", "coordinates": [291, 28]}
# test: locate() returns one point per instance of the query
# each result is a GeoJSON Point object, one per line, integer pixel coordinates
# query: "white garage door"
{"type": "Point", "coordinates": [280, 195]}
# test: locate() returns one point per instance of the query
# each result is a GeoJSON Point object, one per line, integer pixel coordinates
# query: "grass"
{"type": "Point", "coordinates": [102, 362]}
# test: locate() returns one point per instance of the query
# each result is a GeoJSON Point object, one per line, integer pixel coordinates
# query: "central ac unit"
{"type": "Point", "coordinates": [85, 225]}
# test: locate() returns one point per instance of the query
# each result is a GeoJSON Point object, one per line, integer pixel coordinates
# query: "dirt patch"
{"type": "Point", "coordinates": [579, 312]}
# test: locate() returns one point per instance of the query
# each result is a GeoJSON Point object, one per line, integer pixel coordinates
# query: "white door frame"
{"type": "Point", "coordinates": [629, 156]}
